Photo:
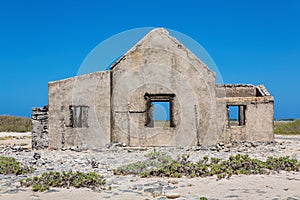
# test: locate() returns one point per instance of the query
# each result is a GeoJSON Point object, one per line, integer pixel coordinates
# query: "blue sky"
{"type": "Point", "coordinates": [250, 42]}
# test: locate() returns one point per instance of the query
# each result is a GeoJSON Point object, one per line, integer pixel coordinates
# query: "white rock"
{"type": "Point", "coordinates": [170, 195]}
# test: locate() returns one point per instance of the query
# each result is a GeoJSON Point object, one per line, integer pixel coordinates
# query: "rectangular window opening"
{"type": "Point", "coordinates": [236, 115]}
{"type": "Point", "coordinates": [78, 116]}
{"type": "Point", "coordinates": [159, 110]}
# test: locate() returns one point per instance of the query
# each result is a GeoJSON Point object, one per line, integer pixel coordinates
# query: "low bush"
{"type": "Point", "coordinates": [238, 164]}
{"type": "Point", "coordinates": [9, 165]}
{"type": "Point", "coordinates": [65, 180]}
{"type": "Point", "coordinates": [155, 159]}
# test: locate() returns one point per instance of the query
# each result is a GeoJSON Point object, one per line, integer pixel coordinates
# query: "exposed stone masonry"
{"type": "Point", "coordinates": [39, 120]}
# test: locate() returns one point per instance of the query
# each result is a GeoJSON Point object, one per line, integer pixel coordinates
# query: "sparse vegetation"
{"type": "Point", "coordinates": [155, 159]}
{"type": "Point", "coordinates": [6, 138]}
{"type": "Point", "coordinates": [15, 137]}
{"type": "Point", "coordinates": [287, 128]}
{"type": "Point", "coordinates": [65, 179]}
{"type": "Point", "coordinates": [238, 164]}
{"type": "Point", "coordinates": [15, 124]}
{"type": "Point", "coordinates": [9, 165]}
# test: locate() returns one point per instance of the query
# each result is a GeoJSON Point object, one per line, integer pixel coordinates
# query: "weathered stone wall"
{"type": "Point", "coordinates": [39, 120]}
{"type": "Point", "coordinates": [259, 123]}
{"type": "Point", "coordinates": [160, 65]}
{"type": "Point", "coordinates": [91, 92]}
{"type": "Point", "coordinates": [236, 90]}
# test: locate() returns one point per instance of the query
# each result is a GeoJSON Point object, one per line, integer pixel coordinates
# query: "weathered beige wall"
{"type": "Point", "coordinates": [92, 90]}
{"type": "Point", "coordinates": [159, 64]}
{"type": "Point", "coordinates": [236, 90]}
{"type": "Point", "coordinates": [259, 119]}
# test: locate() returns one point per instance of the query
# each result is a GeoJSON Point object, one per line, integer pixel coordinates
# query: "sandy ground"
{"type": "Point", "coordinates": [279, 186]}
{"type": "Point", "coordinates": [3, 134]}
{"type": "Point", "coordinates": [282, 185]}
{"type": "Point", "coordinates": [16, 139]}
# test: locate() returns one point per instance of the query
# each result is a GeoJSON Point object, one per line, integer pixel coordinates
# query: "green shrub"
{"type": "Point", "coordinates": [65, 179]}
{"type": "Point", "coordinates": [9, 165]}
{"type": "Point", "coordinates": [155, 160]}
{"type": "Point", "coordinates": [238, 164]}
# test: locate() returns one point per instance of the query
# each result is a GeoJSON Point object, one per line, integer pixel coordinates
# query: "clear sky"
{"type": "Point", "coordinates": [255, 41]}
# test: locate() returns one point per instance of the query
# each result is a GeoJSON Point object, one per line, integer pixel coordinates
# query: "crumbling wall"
{"type": "Point", "coordinates": [39, 120]}
{"type": "Point", "coordinates": [79, 112]}
{"type": "Point", "coordinates": [259, 119]}
{"type": "Point", "coordinates": [236, 90]}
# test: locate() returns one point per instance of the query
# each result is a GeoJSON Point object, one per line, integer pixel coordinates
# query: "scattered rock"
{"type": "Point", "coordinates": [174, 182]}
{"type": "Point", "coordinates": [94, 164]}
{"type": "Point", "coordinates": [221, 144]}
{"type": "Point", "coordinates": [162, 198]}
{"type": "Point", "coordinates": [32, 161]}
{"type": "Point", "coordinates": [16, 148]}
{"type": "Point", "coordinates": [213, 148]}
{"type": "Point", "coordinates": [72, 148]}
{"type": "Point", "coordinates": [138, 187]}
{"type": "Point", "coordinates": [36, 156]}
{"type": "Point", "coordinates": [40, 162]}
{"type": "Point", "coordinates": [154, 190]}
{"type": "Point", "coordinates": [170, 187]}
{"type": "Point", "coordinates": [170, 195]}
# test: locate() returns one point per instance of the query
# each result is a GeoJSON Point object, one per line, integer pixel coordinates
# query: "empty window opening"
{"type": "Point", "coordinates": [159, 110]}
{"type": "Point", "coordinates": [161, 114]}
{"type": "Point", "coordinates": [78, 116]}
{"type": "Point", "coordinates": [236, 115]}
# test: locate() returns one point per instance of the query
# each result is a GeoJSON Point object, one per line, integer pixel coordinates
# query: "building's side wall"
{"type": "Point", "coordinates": [91, 91]}
{"type": "Point", "coordinates": [259, 122]}
{"type": "Point", "coordinates": [159, 65]}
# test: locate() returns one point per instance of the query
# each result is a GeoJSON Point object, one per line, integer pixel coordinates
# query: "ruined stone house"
{"type": "Point", "coordinates": [93, 110]}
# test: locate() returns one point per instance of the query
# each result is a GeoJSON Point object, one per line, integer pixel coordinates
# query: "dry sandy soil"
{"type": "Point", "coordinates": [282, 185]}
